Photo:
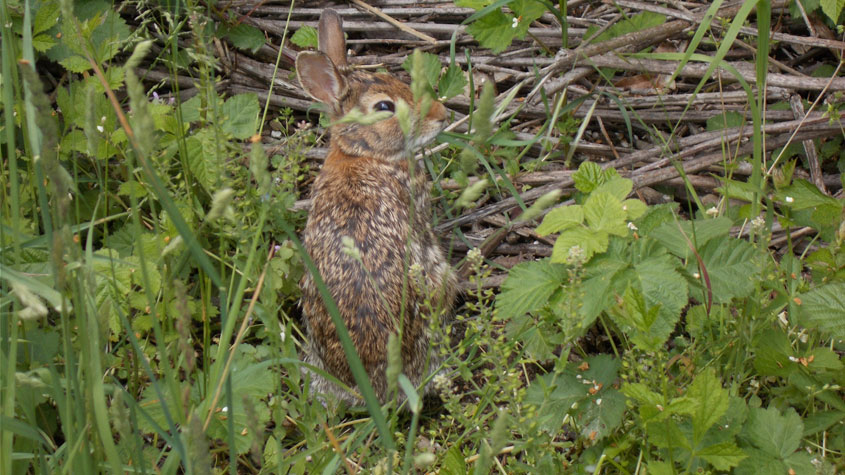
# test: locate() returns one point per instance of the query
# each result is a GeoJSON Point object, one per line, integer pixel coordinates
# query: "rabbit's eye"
{"type": "Point", "coordinates": [384, 106]}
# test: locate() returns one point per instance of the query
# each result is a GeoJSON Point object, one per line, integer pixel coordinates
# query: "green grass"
{"type": "Point", "coordinates": [149, 268]}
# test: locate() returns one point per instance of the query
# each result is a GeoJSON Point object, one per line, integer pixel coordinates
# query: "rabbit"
{"type": "Point", "coordinates": [367, 191]}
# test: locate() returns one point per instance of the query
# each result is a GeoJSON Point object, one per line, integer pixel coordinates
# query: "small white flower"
{"type": "Point", "coordinates": [224, 409]}
{"type": "Point", "coordinates": [276, 134]}
{"type": "Point", "coordinates": [793, 359]}
{"type": "Point", "coordinates": [789, 199]}
{"type": "Point", "coordinates": [598, 402]}
{"type": "Point", "coordinates": [632, 226]}
{"type": "Point", "coordinates": [782, 318]}
{"type": "Point", "coordinates": [100, 128]}
{"type": "Point", "coordinates": [103, 119]}
{"type": "Point", "coordinates": [282, 335]}
{"type": "Point", "coordinates": [696, 275]}
{"type": "Point", "coordinates": [712, 211]}
{"type": "Point", "coordinates": [660, 408]}
{"type": "Point", "coordinates": [515, 22]}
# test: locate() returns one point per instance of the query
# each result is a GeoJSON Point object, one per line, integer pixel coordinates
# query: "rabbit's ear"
{"type": "Point", "coordinates": [331, 37]}
{"type": "Point", "coordinates": [320, 78]}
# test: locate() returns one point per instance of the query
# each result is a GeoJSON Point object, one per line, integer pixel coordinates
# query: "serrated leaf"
{"type": "Point", "coordinates": [305, 37]}
{"type": "Point", "coordinates": [494, 31]}
{"type": "Point", "coordinates": [561, 218]}
{"type": "Point", "coordinates": [42, 43]}
{"type": "Point", "coordinates": [452, 83]}
{"type": "Point", "coordinates": [475, 4]}
{"type": "Point", "coordinates": [554, 395]}
{"type": "Point", "coordinates": [634, 208]}
{"type": "Point", "coordinates": [528, 287]}
{"type": "Point", "coordinates": [203, 161]}
{"type": "Point", "coordinates": [430, 64]}
{"type": "Point", "coordinates": [711, 402]}
{"type": "Point", "coordinates": [725, 259]}
{"type": "Point", "coordinates": [591, 242]}
{"type": "Point", "coordinates": [590, 176]}
{"type": "Point", "coordinates": [778, 435]}
{"type": "Point", "coordinates": [241, 113]}
{"type": "Point", "coordinates": [526, 11]}
{"type": "Point", "coordinates": [453, 462]}
{"type": "Point", "coordinates": [722, 456]}
{"type": "Point", "coordinates": [46, 17]}
{"type": "Point", "coordinates": [803, 195]}
{"type": "Point", "coordinates": [615, 185]}
{"type": "Point", "coordinates": [246, 37]}
{"type": "Point", "coordinates": [603, 212]}
{"type": "Point", "coordinates": [601, 414]}
{"type": "Point", "coordinates": [823, 307]}
{"type": "Point", "coordinates": [832, 8]}
{"type": "Point", "coordinates": [699, 232]}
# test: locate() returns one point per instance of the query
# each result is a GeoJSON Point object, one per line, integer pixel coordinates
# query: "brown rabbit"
{"type": "Point", "coordinates": [366, 192]}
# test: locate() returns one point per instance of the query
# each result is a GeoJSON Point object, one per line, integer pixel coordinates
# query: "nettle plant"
{"type": "Point", "coordinates": [686, 306]}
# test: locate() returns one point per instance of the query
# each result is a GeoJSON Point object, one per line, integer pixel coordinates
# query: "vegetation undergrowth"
{"type": "Point", "coordinates": [149, 275]}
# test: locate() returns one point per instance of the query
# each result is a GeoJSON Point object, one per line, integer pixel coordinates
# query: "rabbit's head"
{"type": "Point", "coordinates": [326, 77]}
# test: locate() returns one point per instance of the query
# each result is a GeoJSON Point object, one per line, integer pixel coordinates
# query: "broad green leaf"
{"type": "Point", "coordinates": [633, 23]}
{"type": "Point", "coordinates": [526, 12]}
{"type": "Point", "coordinates": [246, 37]}
{"type": "Point", "coordinates": [772, 353]}
{"type": "Point", "coordinates": [591, 242]}
{"type": "Point", "coordinates": [603, 212]}
{"type": "Point", "coordinates": [760, 463]}
{"type": "Point", "coordinates": [634, 208]}
{"type": "Point", "coordinates": [821, 420]}
{"type": "Point", "coordinates": [662, 286]}
{"type": "Point", "coordinates": [431, 67]}
{"type": "Point", "coordinates": [601, 414]}
{"type": "Point", "coordinates": [832, 8]}
{"type": "Point", "coordinates": [776, 434]}
{"type": "Point", "coordinates": [803, 194]}
{"type": "Point", "coordinates": [553, 395]}
{"type": "Point", "coordinates": [726, 259]}
{"type": "Point", "coordinates": [494, 31]}
{"type": "Point", "coordinates": [528, 287]}
{"type": "Point", "coordinates": [452, 83]}
{"type": "Point", "coordinates": [711, 402]}
{"type": "Point", "coordinates": [699, 232]}
{"type": "Point", "coordinates": [823, 307]}
{"type": "Point", "coordinates": [305, 37]}
{"type": "Point", "coordinates": [43, 42]}
{"type": "Point", "coordinates": [476, 4]}
{"type": "Point", "coordinates": [240, 113]}
{"type": "Point", "coordinates": [725, 120]}
{"type": "Point", "coordinates": [560, 219]}
{"type": "Point", "coordinates": [453, 462]}
{"type": "Point", "coordinates": [204, 160]}
{"type": "Point", "coordinates": [617, 186]}
{"type": "Point", "coordinates": [590, 175]}
{"type": "Point", "coordinates": [722, 456]}
{"type": "Point", "coordinates": [537, 341]}
{"type": "Point", "coordinates": [46, 17]}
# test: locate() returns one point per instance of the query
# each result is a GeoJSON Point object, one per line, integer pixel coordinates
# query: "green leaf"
{"type": "Point", "coordinates": [561, 218]}
{"type": "Point", "coordinates": [526, 11]}
{"type": "Point", "coordinates": [305, 37]}
{"type": "Point", "coordinates": [246, 37]}
{"type": "Point", "coordinates": [590, 175]}
{"type": "Point", "coordinates": [475, 4]}
{"type": "Point", "coordinates": [430, 64]}
{"type": "Point", "coordinates": [634, 208]}
{"type": "Point", "coordinates": [204, 161]}
{"type": "Point", "coordinates": [494, 31]}
{"type": "Point", "coordinates": [722, 456]}
{"type": "Point", "coordinates": [772, 351]}
{"type": "Point", "coordinates": [711, 402]}
{"type": "Point", "coordinates": [554, 396]}
{"type": "Point", "coordinates": [725, 120]}
{"type": "Point", "coordinates": [452, 83]}
{"type": "Point", "coordinates": [591, 242]}
{"type": "Point", "coordinates": [42, 43]}
{"type": "Point", "coordinates": [603, 212]}
{"type": "Point", "coordinates": [634, 23]}
{"type": "Point", "coordinates": [832, 8]}
{"type": "Point", "coordinates": [240, 115]}
{"type": "Point", "coordinates": [776, 434]}
{"type": "Point", "coordinates": [528, 287]}
{"type": "Point", "coordinates": [699, 232]}
{"type": "Point", "coordinates": [453, 462]}
{"type": "Point", "coordinates": [725, 259]}
{"type": "Point", "coordinates": [615, 185]}
{"type": "Point", "coordinates": [803, 195]}
{"type": "Point", "coordinates": [822, 308]}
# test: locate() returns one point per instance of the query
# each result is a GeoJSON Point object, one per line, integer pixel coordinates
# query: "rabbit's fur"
{"type": "Point", "coordinates": [367, 191]}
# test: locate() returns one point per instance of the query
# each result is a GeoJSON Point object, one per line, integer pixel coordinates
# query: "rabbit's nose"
{"type": "Point", "coordinates": [437, 112]}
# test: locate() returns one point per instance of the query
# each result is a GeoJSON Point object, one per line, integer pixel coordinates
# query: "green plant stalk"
{"type": "Point", "coordinates": [764, 20]}
{"type": "Point", "coordinates": [263, 118]}
{"type": "Point", "coordinates": [409, 444]}
{"type": "Point", "coordinates": [10, 80]}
